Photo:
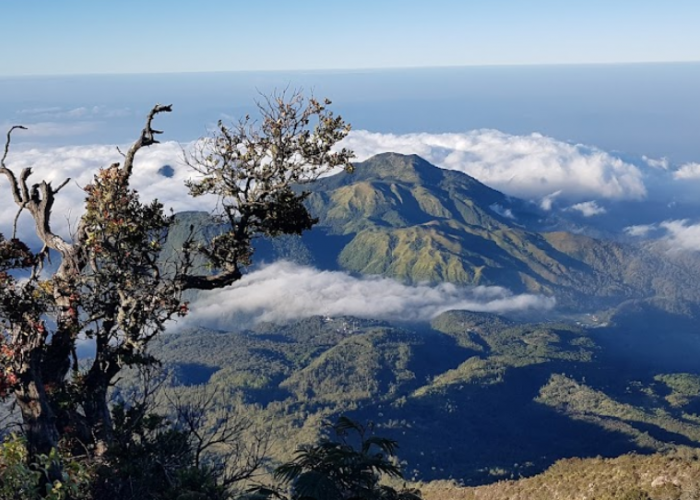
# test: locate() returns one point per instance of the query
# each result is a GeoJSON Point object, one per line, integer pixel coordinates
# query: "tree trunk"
{"type": "Point", "coordinates": [97, 414]}
{"type": "Point", "coordinates": [38, 417]}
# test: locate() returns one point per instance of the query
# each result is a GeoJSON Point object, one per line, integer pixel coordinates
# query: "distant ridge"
{"type": "Point", "coordinates": [400, 216]}
{"type": "Point", "coordinates": [408, 219]}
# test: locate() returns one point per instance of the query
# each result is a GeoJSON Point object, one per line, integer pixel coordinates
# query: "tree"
{"type": "Point", "coordinates": [110, 285]}
{"type": "Point", "coordinates": [336, 469]}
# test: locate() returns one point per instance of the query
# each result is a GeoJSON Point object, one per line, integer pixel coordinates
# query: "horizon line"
{"type": "Point", "coordinates": [349, 70]}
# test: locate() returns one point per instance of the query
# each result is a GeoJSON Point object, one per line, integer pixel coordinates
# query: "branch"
{"type": "Point", "coordinates": [209, 282]}
{"type": "Point", "coordinates": [8, 141]}
{"type": "Point", "coordinates": [147, 137]}
{"type": "Point", "coordinates": [14, 225]}
{"type": "Point", "coordinates": [16, 194]}
{"type": "Point", "coordinates": [61, 186]}
{"type": "Point", "coordinates": [38, 200]}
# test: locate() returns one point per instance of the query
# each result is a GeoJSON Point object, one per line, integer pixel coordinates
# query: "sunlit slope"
{"type": "Point", "coordinates": [673, 475]}
{"type": "Point", "coordinates": [405, 218]}
{"type": "Point", "coordinates": [401, 217]}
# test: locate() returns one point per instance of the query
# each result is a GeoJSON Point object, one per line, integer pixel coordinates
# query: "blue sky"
{"type": "Point", "coordinates": [82, 37]}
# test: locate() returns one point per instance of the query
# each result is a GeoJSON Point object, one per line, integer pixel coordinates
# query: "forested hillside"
{"type": "Point", "coordinates": [474, 397]}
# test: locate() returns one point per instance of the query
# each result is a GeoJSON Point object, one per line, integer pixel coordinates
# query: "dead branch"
{"type": "Point", "coordinates": [14, 186]}
{"type": "Point", "coordinates": [147, 137]}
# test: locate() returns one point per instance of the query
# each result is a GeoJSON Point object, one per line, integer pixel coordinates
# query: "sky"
{"type": "Point", "coordinates": [527, 96]}
{"type": "Point", "coordinates": [46, 37]}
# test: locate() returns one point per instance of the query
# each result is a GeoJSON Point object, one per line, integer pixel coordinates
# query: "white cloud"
{"type": "Point", "coordinates": [59, 113]}
{"type": "Point", "coordinates": [40, 111]}
{"type": "Point", "coordinates": [81, 163]}
{"type": "Point", "coordinates": [284, 291]}
{"type": "Point", "coordinates": [516, 162]}
{"type": "Point", "coordinates": [529, 166]}
{"type": "Point", "coordinates": [588, 208]}
{"type": "Point", "coordinates": [641, 230]}
{"type": "Point", "coordinates": [659, 163]}
{"type": "Point", "coordinates": [682, 235]}
{"type": "Point", "coordinates": [547, 201]}
{"type": "Point", "coordinates": [503, 212]}
{"type": "Point", "coordinates": [46, 129]}
{"type": "Point", "coordinates": [687, 171]}
{"type": "Point", "coordinates": [677, 235]}
{"type": "Point", "coordinates": [58, 122]}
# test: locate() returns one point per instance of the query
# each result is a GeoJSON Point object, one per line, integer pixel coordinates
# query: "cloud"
{"type": "Point", "coordinates": [658, 163]}
{"type": "Point", "coordinates": [528, 166]}
{"type": "Point", "coordinates": [84, 112]}
{"type": "Point", "coordinates": [677, 235]}
{"type": "Point", "coordinates": [682, 235]}
{"type": "Point", "coordinates": [50, 124]}
{"type": "Point", "coordinates": [284, 291]}
{"type": "Point", "coordinates": [503, 212]}
{"type": "Point", "coordinates": [588, 208]}
{"type": "Point", "coordinates": [46, 129]}
{"type": "Point", "coordinates": [49, 110]}
{"type": "Point", "coordinates": [547, 201]}
{"type": "Point", "coordinates": [80, 163]}
{"type": "Point", "coordinates": [687, 171]}
{"type": "Point", "coordinates": [569, 175]}
{"type": "Point", "coordinates": [641, 230]}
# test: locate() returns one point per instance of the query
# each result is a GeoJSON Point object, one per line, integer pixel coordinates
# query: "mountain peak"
{"type": "Point", "coordinates": [400, 167]}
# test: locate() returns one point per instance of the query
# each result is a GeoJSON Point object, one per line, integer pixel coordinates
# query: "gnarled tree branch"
{"type": "Point", "coordinates": [14, 185]}
{"type": "Point", "coordinates": [147, 136]}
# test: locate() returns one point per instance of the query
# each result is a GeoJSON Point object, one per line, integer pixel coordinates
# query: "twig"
{"type": "Point", "coordinates": [7, 142]}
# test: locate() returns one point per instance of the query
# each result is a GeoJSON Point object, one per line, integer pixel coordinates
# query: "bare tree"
{"type": "Point", "coordinates": [110, 285]}
{"type": "Point", "coordinates": [222, 439]}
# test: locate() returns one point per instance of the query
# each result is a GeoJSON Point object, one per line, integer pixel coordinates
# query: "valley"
{"type": "Point", "coordinates": [472, 397]}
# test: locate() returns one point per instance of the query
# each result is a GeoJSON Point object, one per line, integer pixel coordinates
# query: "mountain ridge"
{"type": "Point", "coordinates": [407, 219]}
{"type": "Point", "coordinates": [400, 217]}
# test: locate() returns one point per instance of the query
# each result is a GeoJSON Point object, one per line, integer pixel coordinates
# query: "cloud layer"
{"type": "Point", "coordinates": [528, 166]}
{"type": "Point", "coordinates": [284, 291]}
{"type": "Point", "coordinates": [556, 174]}
{"type": "Point", "coordinates": [678, 235]}
{"type": "Point", "coordinates": [80, 163]}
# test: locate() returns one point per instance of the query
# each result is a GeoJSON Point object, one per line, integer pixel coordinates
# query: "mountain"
{"type": "Point", "coordinates": [401, 217]}
{"type": "Point", "coordinates": [473, 397]}
{"type": "Point", "coordinates": [672, 475]}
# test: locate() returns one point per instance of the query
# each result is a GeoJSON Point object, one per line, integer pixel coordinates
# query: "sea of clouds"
{"type": "Point", "coordinates": [557, 175]}
{"type": "Point", "coordinates": [284, 291]}
{"type": "Point", "coordinates": [526, 166]}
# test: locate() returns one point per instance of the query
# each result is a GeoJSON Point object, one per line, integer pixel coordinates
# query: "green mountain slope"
{"type": "Point", "coordinates": [410, 220]}
{"type": "Point", "coordinates": [674, 475]}
{"type": "Point", "coordinates": [401, 217]}
{"type": "Point", "coordinates": [474, 397]}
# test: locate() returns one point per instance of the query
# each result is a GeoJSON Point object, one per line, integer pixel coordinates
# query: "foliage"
{"type": "Point", "coordinates": [255, 170]}
{"type": "Point", "coordinates": [151, 459]}
{"type": "Point", "coordinates": [684, 387]}
{"type": "Point", "coordinates": [25, 479]}
{"type": "Point", "coordinates": [113, 286]}
{"type": "Point", "coordinates": [476, 397]}
{"type": "Point", "coordinates": [338, 469]}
